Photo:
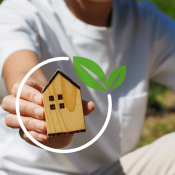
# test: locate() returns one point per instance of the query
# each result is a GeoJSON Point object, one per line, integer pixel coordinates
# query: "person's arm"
{"type": "Point", "coordinates": [18, 65]}
{"type": "Point", "coordinates": [162, 47]}
{"type": "Point", "coordinates": [31, 100]}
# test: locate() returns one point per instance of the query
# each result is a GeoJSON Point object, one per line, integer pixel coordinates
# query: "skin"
{"type": "Point", "coordinates": [94, 12]}
{"type": "Point", "coordinates": [31, 101]}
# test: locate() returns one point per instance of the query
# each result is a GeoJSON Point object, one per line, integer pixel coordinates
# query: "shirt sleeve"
{"type": "Point", "coordinates": [18, 30]}
{"type": "Point", "coordinates": [163, 49]}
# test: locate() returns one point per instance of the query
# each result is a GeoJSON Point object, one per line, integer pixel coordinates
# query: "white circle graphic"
{"type": "Point", "coordinates": [38, 143]}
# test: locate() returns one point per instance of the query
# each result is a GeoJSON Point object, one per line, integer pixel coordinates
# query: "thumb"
{"type": "Point", "coordinates": [88, 107]}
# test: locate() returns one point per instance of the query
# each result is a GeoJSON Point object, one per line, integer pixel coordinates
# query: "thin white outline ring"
{"type": "Point", "coordinates": [38, 143]}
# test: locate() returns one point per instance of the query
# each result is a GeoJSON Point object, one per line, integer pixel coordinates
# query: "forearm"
{"type": "Point", "coordinates": [18, 65]}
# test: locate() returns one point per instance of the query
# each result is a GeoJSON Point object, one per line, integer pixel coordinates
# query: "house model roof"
{"type": "Point", "coordinates": [62, 74]}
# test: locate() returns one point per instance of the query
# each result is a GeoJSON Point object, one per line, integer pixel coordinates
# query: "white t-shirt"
{"type": "Point", "coordinates": [141, 37]}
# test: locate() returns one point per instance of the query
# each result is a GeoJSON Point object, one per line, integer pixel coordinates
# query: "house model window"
{"type": "Point", "coordinates": [61, 105]}
{"type": "Point", "coordinates": [52, 107]}
{"type": "Point", "coordinates": [51, 98]}
{"type": "Point", "coordinates": [60, 97]}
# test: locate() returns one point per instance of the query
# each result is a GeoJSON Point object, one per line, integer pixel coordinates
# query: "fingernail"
{"type": "Point", "coordinates": [42, 137]}
{"type": "Point", "coordinates": [38, 99]}
{"type": "Point", "coordinates": [39, 126]}
{"type": "Point", "coordinates": [91, 106]}
{"type": "Point", "coordinates": [38, 113]}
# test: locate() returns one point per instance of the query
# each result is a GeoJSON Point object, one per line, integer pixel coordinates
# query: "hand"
{"type": "Point", "coordinates": [32, 115]}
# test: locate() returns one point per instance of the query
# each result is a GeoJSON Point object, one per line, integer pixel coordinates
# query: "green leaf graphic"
{"type": "Point", "coordinates": [85, 77]}
{"type": "Point", "coordinates": [121, 72]}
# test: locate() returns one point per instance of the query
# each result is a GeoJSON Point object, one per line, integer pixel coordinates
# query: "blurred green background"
{"type": "Point", "coordinates": [160, 117]}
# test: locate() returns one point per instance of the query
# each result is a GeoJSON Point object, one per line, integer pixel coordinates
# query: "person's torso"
{"type": "Point", "coordinates": [61, 34]}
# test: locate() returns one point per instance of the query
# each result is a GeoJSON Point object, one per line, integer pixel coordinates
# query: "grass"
{"type": "Point", "coordinates": [155, 105]}
{"type": "Point", "coordinates": [155, 127]}
{"type": "Point", "coordinates": [159, 124]}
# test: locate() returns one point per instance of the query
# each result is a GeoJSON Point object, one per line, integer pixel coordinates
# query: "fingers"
{"type": "Point", "coordinates": [26, 108]}
{"type": "Point", "coordinates": [30, 124]}
{"type": "Point", "coordinates": [56, 142]}
{"type": "Point", "coordinates": [35, 85]}
{"type": "Point", "coordinates": [37, 136]}
{"type": "Point", "coordinates": [88, 107]}
{"type": "Point", "coordinates": [29, 92]}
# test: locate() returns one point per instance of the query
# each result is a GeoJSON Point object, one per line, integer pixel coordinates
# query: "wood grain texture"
{"type": "Point", "coordinates": [68, 119]}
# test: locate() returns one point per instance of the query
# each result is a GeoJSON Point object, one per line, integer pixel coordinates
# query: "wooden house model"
{"type": "Point", "coordinates": [63, 106]}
